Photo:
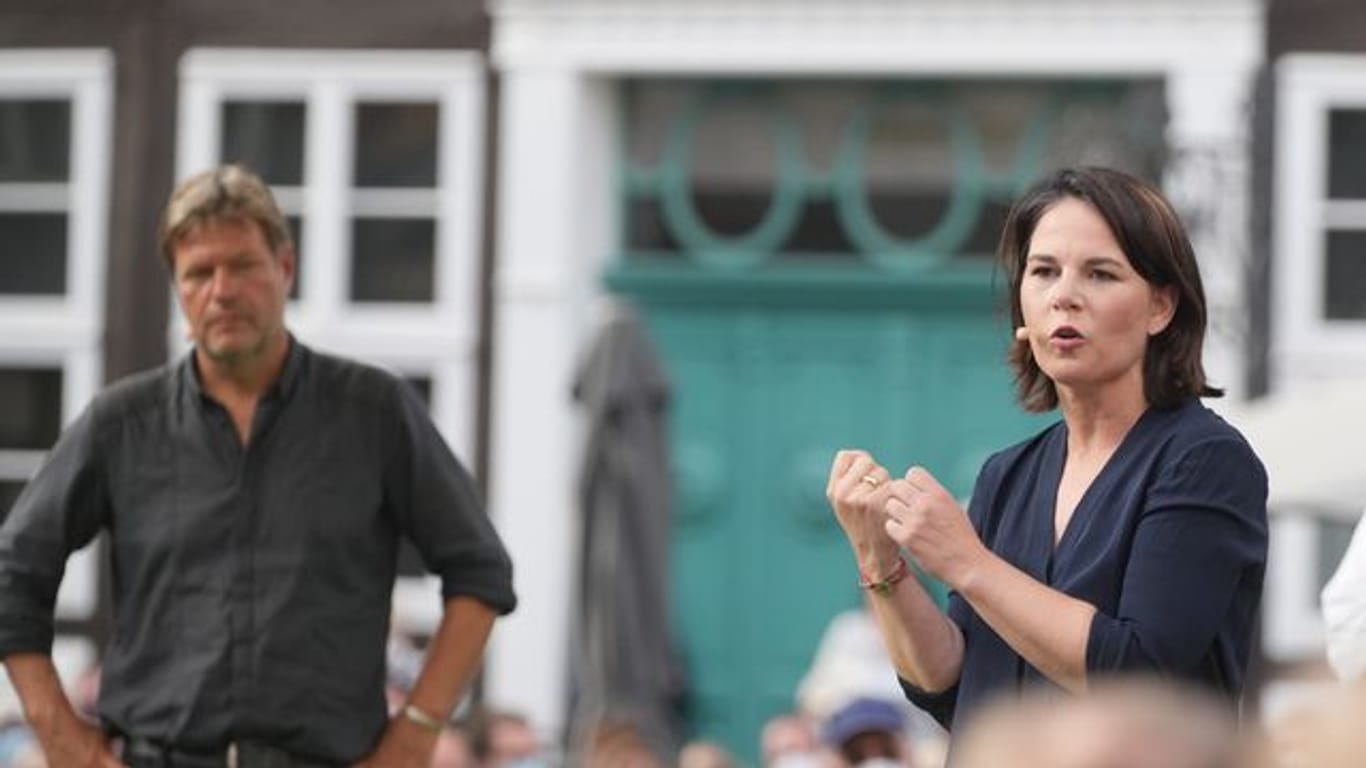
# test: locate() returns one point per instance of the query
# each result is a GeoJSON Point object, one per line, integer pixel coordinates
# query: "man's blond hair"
{"type": "Point", "coordinates": [224, 193]}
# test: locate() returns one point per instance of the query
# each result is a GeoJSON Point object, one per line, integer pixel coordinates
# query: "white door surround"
{"type": "Point", "coordinates": [558, 61]}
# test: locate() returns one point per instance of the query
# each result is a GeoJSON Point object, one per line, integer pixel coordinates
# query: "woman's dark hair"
{"type": "Point", "coordinates": [1150, 233]}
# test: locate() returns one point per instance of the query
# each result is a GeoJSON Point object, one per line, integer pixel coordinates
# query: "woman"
{"type": "Point", "coordinates": [1129, 536]}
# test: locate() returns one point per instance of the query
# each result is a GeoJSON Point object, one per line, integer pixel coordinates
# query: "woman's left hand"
{"type": "Point", "coordinates": [925, 519]}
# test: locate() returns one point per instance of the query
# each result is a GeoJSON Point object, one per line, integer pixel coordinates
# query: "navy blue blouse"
{"type": "Point", "coordinates": [1168, 543]}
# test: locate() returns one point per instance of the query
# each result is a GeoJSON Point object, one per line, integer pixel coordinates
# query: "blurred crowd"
{"type": "Point", "coordinates": [848, 712]}
{"type": "Point", "coordinates": [846, 716]}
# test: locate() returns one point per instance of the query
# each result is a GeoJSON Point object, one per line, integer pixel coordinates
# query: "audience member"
{"type": "Point", "coordinates": [868, 732]}
{"type": "Point", "coordinates": [789, 741]}
{"type": "Point", "coordinates": [500, 739]}
{"type": "Point", "coordinates": [618, 744]}
{"type": "Point", "coordinates": [1330, 733]}
{"type": "Point", "coordinates": [453, 750]}
{"type": "Point", "coordinates": [1120, 724]}
{"type": "Point", "coordinates": [705, 754]}
{"type": "Point", "coordinates": [851, 662]}
{"type": "Point", "coordinates": [19, 748]}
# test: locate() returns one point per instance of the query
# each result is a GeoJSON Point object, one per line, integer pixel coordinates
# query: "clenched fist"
{"type": "Point", "coordinates": [922, 516]}
{"type": "Point", "coordinates": [858, 492]}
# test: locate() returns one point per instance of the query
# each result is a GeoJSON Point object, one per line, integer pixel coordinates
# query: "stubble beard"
{"type": "Point", "coordinates": [234, 356]}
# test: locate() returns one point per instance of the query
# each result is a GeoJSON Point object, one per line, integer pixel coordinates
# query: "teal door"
{"type": "Point", "coordinates": [794, 322]}
{"type": "Point", "coordinates": [764, 397]}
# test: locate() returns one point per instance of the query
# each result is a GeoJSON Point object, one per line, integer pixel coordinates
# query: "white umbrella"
{"type": "Point", "coordinates": [1311, 439]}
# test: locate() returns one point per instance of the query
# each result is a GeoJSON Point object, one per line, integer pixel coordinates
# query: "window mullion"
{"type": "Point", "coordinates": [459, 184]}
{"type": "Point", "coordinates": [327, 174]}
{"type": "Point", "coordinates": [16, 464]}
{"type": "Point", "coordinates": [92, 110]}
{"type": "Point", "coordinates": [35, 197]}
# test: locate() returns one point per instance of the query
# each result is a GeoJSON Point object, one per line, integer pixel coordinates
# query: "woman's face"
{"type": "Point", "coordinates": [1089, 315]}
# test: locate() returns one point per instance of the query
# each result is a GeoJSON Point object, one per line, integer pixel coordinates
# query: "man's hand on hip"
{"type": "Point", "coordinates": [78, 744]}
{"type": "Point", "coordinates": [405, 744]}
{"type": "Point", "coordinates": [67, 740]}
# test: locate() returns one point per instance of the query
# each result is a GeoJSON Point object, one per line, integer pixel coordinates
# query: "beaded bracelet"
{"type": "Point", "coordinates": [884, 586]}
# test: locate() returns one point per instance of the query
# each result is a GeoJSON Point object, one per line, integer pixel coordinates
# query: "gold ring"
{"type": "Point", "coordinates": [872, 480]}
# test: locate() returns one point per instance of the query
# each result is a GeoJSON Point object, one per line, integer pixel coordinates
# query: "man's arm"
{"type": "Point", "coordinates": [67, 740]}
{"type": "Point", "coordinates": [435, 503]}
{"type": "Point", "coordinates": [452, 658]}
{"type": "Point", "coordinates": [61, 509]}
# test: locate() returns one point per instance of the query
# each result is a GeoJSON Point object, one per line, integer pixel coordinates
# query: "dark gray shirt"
{"type": "Point", "coordinates": [252, 584]}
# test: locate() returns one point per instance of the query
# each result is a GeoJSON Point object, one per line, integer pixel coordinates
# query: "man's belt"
{"type": "Point", "coordinates": [142, 753]}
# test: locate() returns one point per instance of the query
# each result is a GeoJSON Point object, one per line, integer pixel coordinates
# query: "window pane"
{"type": "Point", "coordinates": [9, 493]}
{"type": "Point", "coordinates": [876, 165]}
{"type": "Point", "coordinates": [1347, 154]}
{"type": "Point", "coordinates": [33, 261]}
{"type": "Point", "coordinates": [1344, 285]}
{"type": "Point", "coordinates": [267, 137]}
{"type": "Point", "coordinates": [30, 407]}
{"type": "Point", "coordinates": [819, 233]}
{"type": "Point", "coordinates": [734, 164]}
{"type": "Point", "coordinates": [396, 145]}
{"type": "Point", "coordinates": [35, 139]}
{"type": "Point", "coordinates": [1333, 538]}
{"type": "Point", "coordinates": [646, 228]}
{"type": "Point", "coordinates": [393, 260]}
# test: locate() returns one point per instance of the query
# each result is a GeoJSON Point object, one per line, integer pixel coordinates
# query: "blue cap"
{"type": "Point", "coordinates": [861, 716]}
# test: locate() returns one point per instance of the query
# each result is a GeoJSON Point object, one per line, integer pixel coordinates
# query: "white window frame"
{"type": "Point", "coordinates": [64, 332]}
{"type": "Point", "coordinates": [1306, 346]}
{"type": "Point", "coordinates": [437, 339]}
{"type": "Point", "coordinates": [73, 320]}
{"type": "Point", "coordinates": [1294, 630]}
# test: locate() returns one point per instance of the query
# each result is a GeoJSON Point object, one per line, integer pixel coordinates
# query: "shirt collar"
{"type": "Point", "coordinates": [281, 389]}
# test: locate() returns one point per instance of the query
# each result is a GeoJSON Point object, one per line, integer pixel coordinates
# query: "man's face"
{"type": "Point", "coordinates": [232, 289]}
{"type": "Point", "coordinates": [871, 746]}
{"type": "Point", "coordinates": [452, 751]}
{"type": "Point", "coordinates": [511, 741]}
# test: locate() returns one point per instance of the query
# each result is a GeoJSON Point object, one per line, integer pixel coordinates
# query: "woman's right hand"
{"type": "Point", "coordinates": [857, 492]}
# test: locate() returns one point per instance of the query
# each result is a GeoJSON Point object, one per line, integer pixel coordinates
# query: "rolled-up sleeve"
{"type": "Point", "coordinates": [1201, 538]}
{"type": "Point", "coordinates": [437, 506]}
{"type": "Point", "coordinates": [60, 510]}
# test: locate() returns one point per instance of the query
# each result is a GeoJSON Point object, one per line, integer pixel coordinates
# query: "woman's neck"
{"type": "Point", "coordinates": [1098, 420]}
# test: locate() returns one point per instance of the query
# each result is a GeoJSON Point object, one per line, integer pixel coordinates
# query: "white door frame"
{"type": "Point", "coordinates": [558, 61]}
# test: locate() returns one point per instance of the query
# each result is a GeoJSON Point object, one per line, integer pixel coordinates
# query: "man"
{"type": "Point", "coordinates": [254, 493]}
{"type": "Point", "coordinates": [789, 740]}
{"type": "Point", "coordinates": [868, 732]}
{"type": "Point", "coordinates": [453, 750]}
{"type": "Point", "coordinates": [1119, 722]}
{"type": "Point", "coordinates": [501, 739]}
